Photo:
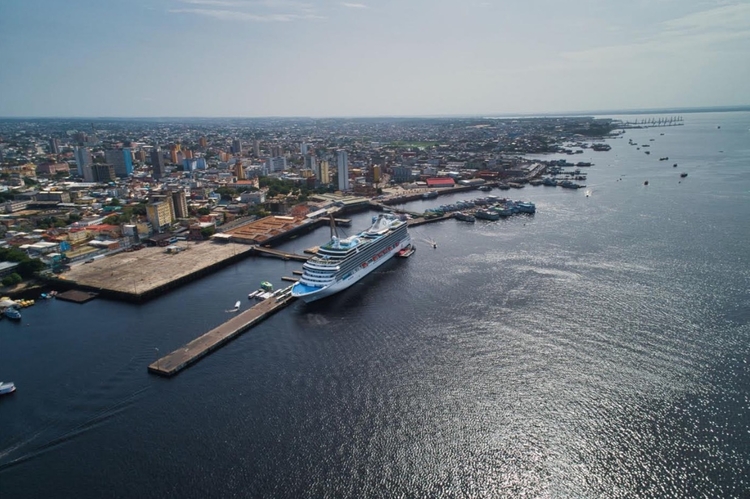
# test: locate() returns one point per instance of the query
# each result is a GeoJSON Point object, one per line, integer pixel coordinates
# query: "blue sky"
{"type": "Point", "coordinates": [368, 58]}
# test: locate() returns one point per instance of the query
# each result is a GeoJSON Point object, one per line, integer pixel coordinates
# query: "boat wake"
{"type": "Point", "coordinates": [96, 420]}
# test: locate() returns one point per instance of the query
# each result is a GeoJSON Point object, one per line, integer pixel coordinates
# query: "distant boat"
{"type": "Point", "coordinates": [236, 307]}
{"type": "Point", "coordinates": [683, 175]}
{"type": "Point", "coordinates": [645, 183]}
{"type": "Point", "coordinates": [12, 313]}
{"type": "Point", "coordinates": [6, 388]}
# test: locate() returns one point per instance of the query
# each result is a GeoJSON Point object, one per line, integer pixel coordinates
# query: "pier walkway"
{"type": "Point", "coordinates": [173, 363]}
{"type": "Point", "coordinates": [280, 254]}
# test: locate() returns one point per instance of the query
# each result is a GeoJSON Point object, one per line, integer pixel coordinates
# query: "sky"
{"type": "Point", "coordinates": [253, 58]}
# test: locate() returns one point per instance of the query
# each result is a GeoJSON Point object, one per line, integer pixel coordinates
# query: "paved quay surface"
{"type": "Point", "coordinates": [139, 272]}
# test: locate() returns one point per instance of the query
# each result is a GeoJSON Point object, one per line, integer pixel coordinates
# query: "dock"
{"type": "Point", "coordinates": [289, 279]}
{"type": "Point", "coordinates": [413, 222]}
{"type": "Point", "coordinates": [173, 363]}
{"type": "Point", "coordinates": [284, 255]}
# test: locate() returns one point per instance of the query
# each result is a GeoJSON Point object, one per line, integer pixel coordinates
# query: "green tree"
{"type": "Point", "coordinates": [207, 232]}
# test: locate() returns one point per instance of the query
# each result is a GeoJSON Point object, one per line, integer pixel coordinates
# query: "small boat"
{"type": "Point", "coordinates": [236, 307]}
{"type": "Point", "coordinates": [485, 188]}
{"type": "Point", "coordinates": [683, 175]}
{"type": "Point", "coordinates": [406, 252]}
{"type": "Point", "coordinates": [6, 388]}
{"type": "Point", "coordinates": [487, 215]}
{"type": "Point", "coordinates": [12, 313]}
{"type": "Point", "coordinates": [252, 295]}
{"type": "Point", "coordinates": [266, 286]}
{"type": "Point", "coordinates": [645, 183]}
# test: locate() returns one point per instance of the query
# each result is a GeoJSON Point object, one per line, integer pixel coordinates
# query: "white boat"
{"type": "Point", "coordinates": [342, 262]}
{"type": "Point", "coordinates": [236, 307]}
{"type": "Point", "coordinates": [254, 294]}
{"type": "Point", "coordinates": [6, 388]}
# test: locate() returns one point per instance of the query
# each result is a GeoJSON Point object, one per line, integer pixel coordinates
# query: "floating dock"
{"type": "Point", "coordinates": [173, 363]}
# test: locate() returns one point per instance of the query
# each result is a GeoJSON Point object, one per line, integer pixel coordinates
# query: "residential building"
{"type": "Point", "coordinates": [157, 163]}
{"type": "Point", "coordinates": [325, 175]}
{"type": "Point", "coordinates": [159, 214]}
{"type": "Point", "coordinates": [83, 159]}
{"type": "Point", "coordinates": [179, 202]}
{"type": "Point", "coordinates": [343, 170]}
{"type": "Point", "coordinates": [276, 164]}
{"type": "Point", "coordinates": [237, 147]}
{"type": "Point", "coordinates": [102, 173]}
{"type": "Point", "coordinates": [54, 146]}
{"type": "Point", "coordinates": [122, 160]}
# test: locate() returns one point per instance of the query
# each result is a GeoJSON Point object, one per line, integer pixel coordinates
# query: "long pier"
{"type": "Point", "coordinates": [173, 363]}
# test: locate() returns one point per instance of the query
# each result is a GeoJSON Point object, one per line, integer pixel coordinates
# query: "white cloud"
{"type": "Point", "coordinates": [684, 35]}
{"type": "Point", "coordinates": [234, 15]}
{"type": "Point", "coordinates": [354, 5]}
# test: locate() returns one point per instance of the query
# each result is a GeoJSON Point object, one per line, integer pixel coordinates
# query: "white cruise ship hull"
{"type": "Point", "coordinates": [341, 285]}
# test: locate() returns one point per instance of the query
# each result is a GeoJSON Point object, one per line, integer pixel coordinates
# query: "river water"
{"type": "Point", "coordinates": [596, 349]}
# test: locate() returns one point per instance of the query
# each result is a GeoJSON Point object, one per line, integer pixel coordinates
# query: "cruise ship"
{"type": "Point", "coordinates": [342, 262]}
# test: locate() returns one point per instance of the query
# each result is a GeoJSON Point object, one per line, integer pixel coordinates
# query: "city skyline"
{"type": "Point", "coordinates": [285, 58]}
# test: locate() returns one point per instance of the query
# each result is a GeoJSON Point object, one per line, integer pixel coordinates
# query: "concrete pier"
{"type": "Point", "coordinates": [173, 363]}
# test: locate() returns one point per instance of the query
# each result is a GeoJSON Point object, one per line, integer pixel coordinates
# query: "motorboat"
{"type": "Point", "coordinates": [12, 313]}
{"type": "Point", "coordinates": [7, 387]}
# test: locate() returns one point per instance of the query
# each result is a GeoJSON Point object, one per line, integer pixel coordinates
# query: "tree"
{"type": "Point", "coordinates": [207, 232]}
{"type": "Point", "coordinates": [12, 279]}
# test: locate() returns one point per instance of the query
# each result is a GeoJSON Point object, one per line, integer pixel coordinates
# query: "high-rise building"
{"type": "Point", "coordinates": [159, 213]}
{"type": "Point", "coordinates": [343, 170]}
{"type": "Point", "coordinates": [140, 155]}
{"type": "Point", "coordinates": [54, 146]}
{"type": "Point", "coordinates": [237, 147]}
{"type": "Point", "coordinates": [303, 148]}
{"type": "Point", "coordinates": [276, 164]}
{"type": "Point", "coordinates": [157, 163]}
{"type": "Point", "coordinates": [256, 148]}
{"type": "Point", "coordinates": [239, 171]}
{"type": "Point", "coordinates": [122, 160]}
{"type": "Point", "coordinates": [102, 173]}
{"type": "Point", "coordinates": [188, 154]}
{"type": "Point", "coordinates": [277, 151]}
{"type": "Point", "coordinates": [376, 174]}
{"type": "Point", "coordinates": [173, 154]}
{"type": "Point", "coordinates": [311, 163]}
{"type": "Point", "coordinates": [179, 202]}
{"type": "Point", "coordinates": [324, 177]}
{"type": "Point", "coordinates": [83, 160]}
{"type": "Point", "coordinates": [203, 142]}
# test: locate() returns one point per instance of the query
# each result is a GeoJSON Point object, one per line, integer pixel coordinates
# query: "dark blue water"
{"type": "Point", "coordinates": [596, 349]}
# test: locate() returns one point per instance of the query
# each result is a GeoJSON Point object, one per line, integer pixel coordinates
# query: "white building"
{"type": "Point", "coordinates": [276, 164]}
{"type": "Point", "coordinates": [343, 170]}
{"type": "Point", "coordinates": [83, 159]}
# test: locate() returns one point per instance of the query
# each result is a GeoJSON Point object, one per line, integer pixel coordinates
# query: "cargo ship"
{"type": "Point", "coordinates": [342, 262]}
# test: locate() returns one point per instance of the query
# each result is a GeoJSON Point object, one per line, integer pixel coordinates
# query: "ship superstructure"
{"type": "Point", "coordinates": [342, 262]}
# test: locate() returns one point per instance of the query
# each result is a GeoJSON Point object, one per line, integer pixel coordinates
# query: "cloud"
{"type": "Point", "coordinates": [354, 5]}
{"type": "Point", "coordinates": [262, 11]}
{"type": "Point", "coordinates": [235, 15]}
{"type": "Point", "coordinates": [252, 3]}
{"type": "Point", "coordinates": [683, 35]}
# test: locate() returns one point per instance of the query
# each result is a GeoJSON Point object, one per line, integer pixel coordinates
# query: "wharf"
{"type": "Point", "coordinates": [421, 220]}
{"type": "Point", "coordinates": [173, 363]}
{"type": "Point", "coordinates": [284, 255]}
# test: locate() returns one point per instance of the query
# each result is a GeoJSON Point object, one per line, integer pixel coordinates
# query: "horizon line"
{"type": "Point", "coordinates": [694, 109]}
